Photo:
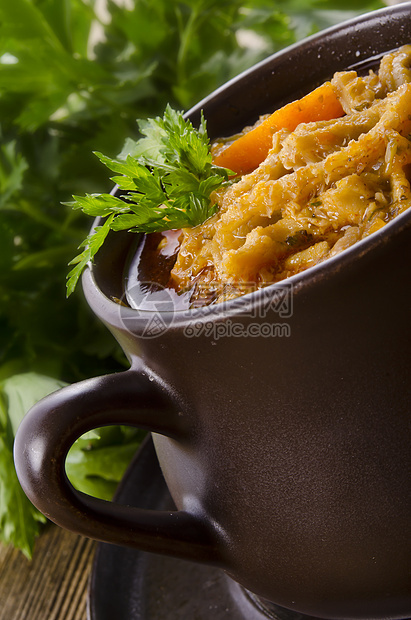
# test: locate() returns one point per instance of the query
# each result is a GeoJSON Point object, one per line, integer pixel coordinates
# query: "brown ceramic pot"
{"type": "Point", "coordinates": [287, 452]}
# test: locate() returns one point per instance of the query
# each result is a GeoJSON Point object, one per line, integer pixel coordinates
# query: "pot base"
{"type": "Point", "coordinates": [274, 612]}
{"type": "Point", "coordinates": [249, 603]}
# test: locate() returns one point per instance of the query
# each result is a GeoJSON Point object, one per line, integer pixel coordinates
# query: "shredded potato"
{"type": "Point", "coordinates": [321, 188]}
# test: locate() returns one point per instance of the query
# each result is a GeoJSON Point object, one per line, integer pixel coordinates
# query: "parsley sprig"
{"type": "Point", "coordinates": [166, 180]}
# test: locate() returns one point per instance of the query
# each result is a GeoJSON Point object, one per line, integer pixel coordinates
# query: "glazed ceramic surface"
{"type": "Point", "coordinates": [128, 584]}
{"type": "Point", "coordinates": [286, 452]}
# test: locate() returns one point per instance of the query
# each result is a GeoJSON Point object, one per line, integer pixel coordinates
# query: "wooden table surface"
{"type": "Point", "coordinates": [53, 585]}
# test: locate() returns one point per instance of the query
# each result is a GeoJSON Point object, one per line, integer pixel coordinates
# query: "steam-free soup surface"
{"type": "Point", "coordinates": [321, 187]}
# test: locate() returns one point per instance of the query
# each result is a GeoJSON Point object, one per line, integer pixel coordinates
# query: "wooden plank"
{"type": "Point", "coordinates": [53, 585]}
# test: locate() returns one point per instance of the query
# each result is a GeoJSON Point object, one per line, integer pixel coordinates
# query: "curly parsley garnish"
{"type": "Point", "coordinates": [166, 178]}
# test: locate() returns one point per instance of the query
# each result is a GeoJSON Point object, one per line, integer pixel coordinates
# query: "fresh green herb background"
{"type": "Point", "coordinates": [73, 80]}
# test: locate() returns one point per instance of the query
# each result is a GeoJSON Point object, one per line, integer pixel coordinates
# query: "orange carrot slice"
{"type": "Point", "coordinates": [249, 150]}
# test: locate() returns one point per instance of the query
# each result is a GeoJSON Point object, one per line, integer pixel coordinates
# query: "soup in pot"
{"type": "Point", "coordinates": [303, 190]}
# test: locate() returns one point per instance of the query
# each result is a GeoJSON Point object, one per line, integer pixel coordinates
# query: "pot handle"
{"type": "Point", "coordinates": [50, 428]}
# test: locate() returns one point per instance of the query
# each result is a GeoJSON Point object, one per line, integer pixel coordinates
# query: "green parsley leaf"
{"type": "Point", "coordinates": [167, 178]}
{"type": "Point", "coordinates": [92, 244]}
{"type": "Point", "coordinates": [98, 460]}
{"type": "Point", "coordinates": [20, 521]}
